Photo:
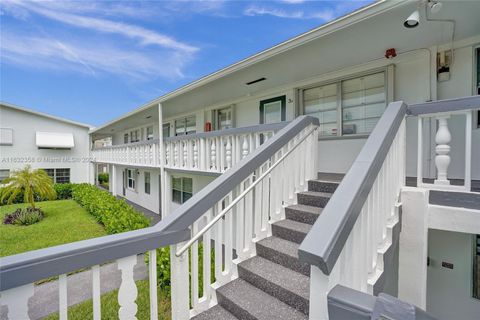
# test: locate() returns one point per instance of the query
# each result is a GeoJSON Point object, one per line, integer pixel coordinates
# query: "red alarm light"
{"type": "Point", "coordinates": [390, 53]}
{"type": "Point", "coordinates": [208, 126]}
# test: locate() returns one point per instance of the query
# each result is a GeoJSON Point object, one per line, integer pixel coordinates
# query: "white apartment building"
{"type": "Point", "coordinates": [59, 146]}
{"type": "Point", "coordinates": [390, 92]}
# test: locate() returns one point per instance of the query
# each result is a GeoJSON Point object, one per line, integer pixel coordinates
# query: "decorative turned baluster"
{"type": "Point", "coordinates": [245, 147]}
{"type": "Point", "coordinates": [195, 154]}
{"type": "Point", "coordinates": [185, 154]}
{"type": "Point", "coordinates": [213, 155]}
{"type": "Point", "coordinates": [127, 294]}
{"type": "Point", "coordinates": [175, 155]}
{"type": "Point", "coordinates": [167, 154]}
{"type": "Point", "coordinates": [228, 153]}
{"type": "Point", "coordinates": [16, 300]}
{"type": "Point", "coordinates": [442, 159]}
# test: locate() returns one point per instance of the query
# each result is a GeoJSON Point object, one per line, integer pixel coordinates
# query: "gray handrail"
{"type": "Point", "coordinates": [35, 265]}
{"type": "Point", "coordinates": [325, 241]}
{"type": "Point", "coordinates": [449, 105]}
{"type": "Point", "coordinates": [229, 132]}
{"type": "Point", "coordinates": [240, 196]}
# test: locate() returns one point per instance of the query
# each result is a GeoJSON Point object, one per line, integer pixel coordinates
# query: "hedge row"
{"type": "Point", "coordinates": [116, 215]}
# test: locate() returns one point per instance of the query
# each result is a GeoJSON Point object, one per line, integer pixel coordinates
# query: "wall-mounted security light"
{"type": "Point", "coordinates": [413, 20]}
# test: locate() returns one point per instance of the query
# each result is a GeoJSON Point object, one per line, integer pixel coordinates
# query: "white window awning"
{"type": "Point", "coordinates": [54, 140]}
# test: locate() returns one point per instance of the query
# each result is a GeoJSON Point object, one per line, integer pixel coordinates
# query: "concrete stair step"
{"type": "Point", "coordinates": [313, 198]}
{"type": "Point", "coordinates": [247, 302]}
{"type": "Point", "coordinates": [215, 313]}
{"type": "Point", "coordinates": [291, 230]}
{"type": "Point", "coordinates": [303, 213]}
{"type": "Point", "coordinates": [322, 186]}
{"type": "Point", "coordinates": [282, 283]}
{"type": "Point", "coordinates": [283, 252]}
{"type": "Point", "coordinates": [329, 176]}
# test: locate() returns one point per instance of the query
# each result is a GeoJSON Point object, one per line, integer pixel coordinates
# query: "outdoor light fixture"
{"type": "Point", "coordinates": [413, 20]}
{"type": "Point", "coordinates": [435, 6]}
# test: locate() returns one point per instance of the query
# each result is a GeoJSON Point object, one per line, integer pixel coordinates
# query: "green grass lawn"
{"type": "Point", "coordinates": [109, 306]}
{"type": "Point", "coordinates": [65, 221]}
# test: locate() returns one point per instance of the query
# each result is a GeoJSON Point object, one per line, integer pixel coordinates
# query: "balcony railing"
{"type": "Point", "coordinates": [282, 165]}
{"type": "Point", "coordinates": [214, 151]}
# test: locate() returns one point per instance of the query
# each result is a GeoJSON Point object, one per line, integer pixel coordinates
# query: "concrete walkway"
{"type": "Point", "coordinates": [79, 289]}
{"type": "Point", "coordinates": [152, 216]}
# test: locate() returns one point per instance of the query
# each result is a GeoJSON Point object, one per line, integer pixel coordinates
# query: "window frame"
{"type": "Point", "coordinates": [181, 190]}
{"type": "Point", "coordinates": [137, 132]}
{"type": "Point", "coordinates": [131, 177]}
{"type": "Point", "coordinates": [283, 111]}
{"type": "Point", "coordinates": [147, 185]}
{"type": "Point", "coordinates": [216, 114]}
{"type": "Point", "coordinates": [149, 136]}
{"type": "Point", "coordinates": [168, 126]}
{"type": "Point", "coordinates": [389, 92]}
{"type": "Point", "coordinates": [185, 121]}
{"type": "Point", "coordinates": [53, 173]}
{"type": "Point", "coordinates": [476, 82]}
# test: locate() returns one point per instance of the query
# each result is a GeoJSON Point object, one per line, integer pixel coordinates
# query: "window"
{"type": "Point", "coordinates": [477, 82]}
{"type": "Point", "coordinates": [134, 135]}
{"type": "Point", "coordinates": [6, 136]}
{"type": "Point", "coordinates": [185, 126]}
{"type": "Point", "coordinates": [60, 175]}
{"type": "Point", "coordinates": [150, 133]}
{"type": "Point", "coordinates": [166, 130]}
{"type": "Point", "coordinates": [131, 179]}
{"type": "Point", "coordinates": [272, 110]}
{"type": "Point", "coordinates": [347, 107]}
{"type": "Point", "coordinates": [181, 189]}
{"type": "Point", "coordinates": [125, 138]}
{"type": "Point", "coordinates": [223, 118]}
{"type": "Point", "coordinates": [476, 268]}
{"type": "Point", "coordinates": [147, 182]}
{"type": "Point", "coordinates": [4, 174]}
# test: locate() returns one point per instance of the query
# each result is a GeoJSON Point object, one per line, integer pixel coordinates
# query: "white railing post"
{"type": "Point", "coordinates": [180, 295]}
{"type": "Point", "coordinates": [127, 294]}
{"type": "Point", "coordinates": [16, 300]}
{"type": "Point", "coordinates": [442, 159]}
{"type": "Point", "coordinates": [468, 150]}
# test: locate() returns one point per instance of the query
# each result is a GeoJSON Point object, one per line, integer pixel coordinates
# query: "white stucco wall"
{"type": "Point", "coordinates": [149, 201]}
{"type": "Point", "coordinates": [449, 291]}
{"type": "Point", "coordinates": [24, 150]}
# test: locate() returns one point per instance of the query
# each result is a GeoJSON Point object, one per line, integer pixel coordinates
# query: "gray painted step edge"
{"type": "Point", "coordinates": [215, 313]}
{"type": "Point", "coordinates": [282, 283]}
{"type": "Point", "coordinates": [322, 186]}
{"type": "Point", "coordinates": [290, 230]}
{"type": "Point", "coordinates": [247, 302]}
{"type": "Point", "coordinates": [313, 198]}
{"type": "Point", "coordinates": [302, 213]}
{"type": "Point", "coordinates": [282, 252]}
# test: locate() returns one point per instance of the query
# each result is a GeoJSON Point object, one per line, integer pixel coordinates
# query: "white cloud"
{"type": "Point", "coordinates": [293, 1]}
{"type": "Point", "coordinates": [324, 15]}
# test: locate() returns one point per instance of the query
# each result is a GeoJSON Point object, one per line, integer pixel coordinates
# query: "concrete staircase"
{"type": "Point", "coordinates": [275, 284]}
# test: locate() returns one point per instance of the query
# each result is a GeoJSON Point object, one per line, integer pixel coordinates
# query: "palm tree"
{"type": "Point", "coordinates": [31, 183]}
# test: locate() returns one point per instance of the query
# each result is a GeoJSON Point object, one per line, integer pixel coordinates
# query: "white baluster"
{"type": "Point", "coordinates": [442, 159]}
{"type": "Point", "coordinates": [16, 300]}
{"type": "Point", "coordinates": [152, 277]}
{"type": "Point", "coordinates": [195, 154]}
{"type": "Point", "coordinates": [127, 294]}
{"type": "Point", "coordinates": [175, 155]}
{"type": "Point", "coordinates": [245, 147]}
{"type": "Point", "coordinates": [97, 314]}
{"type": "Point", "coordinates": [185, 154]}
{"type": "Point", "coordinates": [62, 297]}
{"type": "Point", "coordinates": [213, 155]}
{"type": "Point", "coordinates": [228, 153]}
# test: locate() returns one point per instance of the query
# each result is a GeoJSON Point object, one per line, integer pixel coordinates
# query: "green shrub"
{"type": "Point", "coordinates": [64, 190]}
{"type": "Point", "coordinates": [116, 215]}
{"type": "Point", "coordinates": [19, 198]}
{"type": "Point", "coordinates": [103, 177]}
{"type": "Point", "coordinates": [24, 217]}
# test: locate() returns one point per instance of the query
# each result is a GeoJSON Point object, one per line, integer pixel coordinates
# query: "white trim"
{"type": "Point", "coordinates": [45, 115]}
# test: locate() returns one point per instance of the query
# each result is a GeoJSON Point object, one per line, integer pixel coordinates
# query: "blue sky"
{"type": "Point", "coordinates": [92, 61]}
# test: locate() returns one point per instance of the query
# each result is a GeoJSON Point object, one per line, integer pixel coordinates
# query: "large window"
{"type": "Point", "coordinates": [60, 175]}
{"type": "Point", "coordinates": [166, 130]}
{"type": "Point", "coordinates": [273, 110]}
{"type": "Point", "coordinates": [135, 135]}
{"type": "Point", "coordinates": [223, 118]}
{"type": "Point", "coordinates": [4, 174]}
{"type": "Point", "coordinates": [149, 133]}
{"type": "Point", "coordinates": [131, 179]}
{"type": "Point", "coordinates": [147, 182]}
{"type": "Point", "coordinates": [185, 125]}
{"type": "Point", "coordinates": [181, 189]}
{"type": "Point", "coordinates": [347, 107]}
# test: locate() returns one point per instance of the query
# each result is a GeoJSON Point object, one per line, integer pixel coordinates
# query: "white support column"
{"type": "Point", "coordinates": [113, 180]}
{"type": "Point", "coordinates": [412, 269]}
{"type": "Point", "coordinates": [179, 284]}
{"type": "Point", "coordinates": [161, 162]}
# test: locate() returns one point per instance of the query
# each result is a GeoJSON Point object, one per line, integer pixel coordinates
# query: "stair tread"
{"type": "Point", "coordinates": [316, 194]}
{"type": "Point", "coordinates": [306, 208]}
{"type": "Point", "coordinates": [294, 225]}
{"type": "Point", "coordinates": [281, 276]}
{"type": "Point", "coordinates": [278, 244]}
{"type": "Point", "coordinates": [255, 303]}
{"type": "Point", "coordinates": [215, 313]}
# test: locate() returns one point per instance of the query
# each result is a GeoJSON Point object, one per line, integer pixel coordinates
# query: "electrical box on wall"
{"type": "Point", "coordinates": [444, 60]}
